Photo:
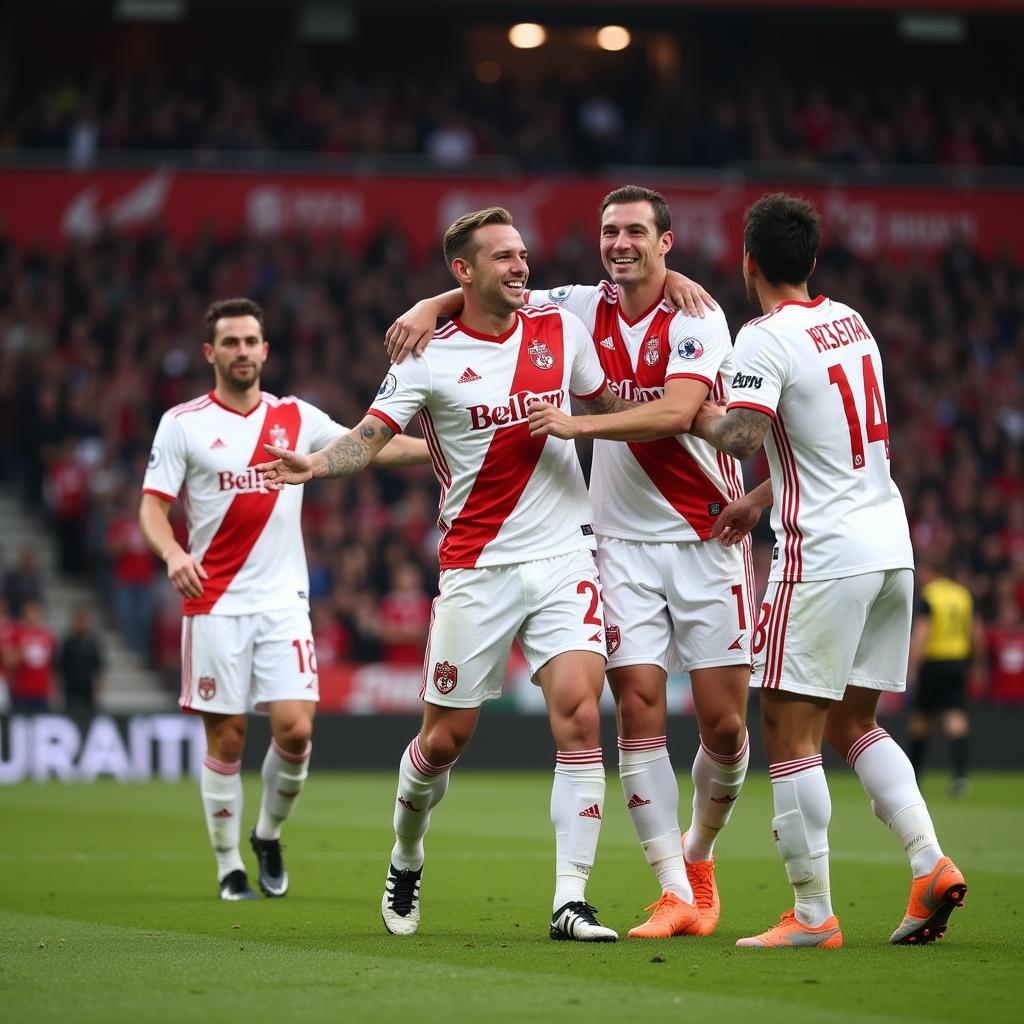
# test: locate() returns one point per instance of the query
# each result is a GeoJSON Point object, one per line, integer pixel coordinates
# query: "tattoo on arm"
{"type": "Point", "coordinates": [352, 452]}
{"type": "Point", "coordinates": [605, 402]}
{"type": "Point", "coordinates": [740, 432]}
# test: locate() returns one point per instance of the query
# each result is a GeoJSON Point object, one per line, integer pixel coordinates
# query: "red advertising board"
{"type": "Point", "coordinates": [54, 207]}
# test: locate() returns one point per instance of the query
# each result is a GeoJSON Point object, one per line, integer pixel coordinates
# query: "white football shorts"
{"type": "Point", "coordinates": [685, 606]}
{"type": "Point", "coordinates": [232, 664]}
{"type": "Point", "coordinates": [817, 638]}
{"type": "Point", "coordinates": [552, 605]}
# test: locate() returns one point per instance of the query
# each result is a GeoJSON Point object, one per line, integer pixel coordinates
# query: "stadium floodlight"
{"type": "Point", "coordinates": [149, 10]}
{"type": "Point", "coordinates": [527, 35]}
{"type": "Point", "coordinates": [613, 37]}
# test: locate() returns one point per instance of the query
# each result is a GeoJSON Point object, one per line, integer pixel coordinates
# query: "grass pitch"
{"type": "Point", "coordinates": [108, 913]}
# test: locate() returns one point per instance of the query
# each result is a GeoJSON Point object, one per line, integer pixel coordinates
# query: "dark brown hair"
{"type": "Point", "coordinates": [639, 194]}
{"type": "Point", "coordinates": [231, 307]}
{"type": "Point", "coordinates": [782, 232]}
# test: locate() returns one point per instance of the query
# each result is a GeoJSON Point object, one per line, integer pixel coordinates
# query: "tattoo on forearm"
{"type": "Point", "coordinates": [740, 432]}
{"type": "Point", "coordinates": [607, 401]}
{"type": "Point", "coordinates": [349, 454]}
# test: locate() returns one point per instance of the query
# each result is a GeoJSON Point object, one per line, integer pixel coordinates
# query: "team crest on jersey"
{"type": "Point", "coordinates": [446, 676]}
{"type": "Point", "coordinates": [560, 294]}
{"type": "Point", "coordinates": [652, 351]}
{"type": "Point", "coordinates": [154, 457]}
{"type": "Point", "coordinates": [207, 687]}
{"type": "Point", "coordinates": [279, 436]}
{"type": "Point", "coordinates": [690, 348]}
{"type": "Point", "coordinates": [540, 354]}
{"type": "Point", "coordinates": [612, 639]}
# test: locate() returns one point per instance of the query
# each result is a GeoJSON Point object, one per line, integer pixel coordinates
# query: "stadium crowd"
{"type": "Point", "coordinates": [452, 119]}
{"type": "Point", "coordinates": [97, 340]}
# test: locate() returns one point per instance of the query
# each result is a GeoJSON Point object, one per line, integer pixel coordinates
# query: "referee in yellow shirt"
{"type": "Point", "coordinates": [945, 637]}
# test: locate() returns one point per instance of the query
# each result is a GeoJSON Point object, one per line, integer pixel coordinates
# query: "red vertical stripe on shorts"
{"type": "Point", "coordinates": [245, 519]}
{"type": "Point", "coordinates": [776, 641]}
{"type": "Point", "coordinates": [511, 457]}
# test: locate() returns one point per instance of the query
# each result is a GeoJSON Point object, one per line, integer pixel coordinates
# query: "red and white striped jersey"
{"type": "Point", "coordinates": [671, 489]}
{"type": "Point", "coordinates": [506, 497]}
{"type": "Point", "coordinates": [248, 538]}
{"type": "Point", "coordinates": [815, 369]}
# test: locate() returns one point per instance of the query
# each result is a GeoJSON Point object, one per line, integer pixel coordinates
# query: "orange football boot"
{"type": "Point", "coordinates": [672, 916]}
{"type": "Point", "coordinates": [791, 932]}
{"type": "Point", "coordinates": [701, 875]}
{"type": "Point", "coordinates": [932, 899]}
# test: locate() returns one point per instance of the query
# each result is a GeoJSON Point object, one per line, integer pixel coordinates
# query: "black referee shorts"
{"type": "Point", "coordinates": [941, 686]}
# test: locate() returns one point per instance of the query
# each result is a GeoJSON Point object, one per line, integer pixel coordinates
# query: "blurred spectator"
{"type": "Point", "coordinates": [404, 617]}
{"type": "Point", "coordinates": [81, 664]}
{"type": "Point", "coordinates": [23, 582]}
{"type": "Point", "coordinates": [133, 574]}
{"type": "Point", "coordinates": [30, 660]}
{"type": "Point", "coordinates": [66, 495]}
{"type": "Point", "coordinates": [1005, 640]}
{"type": "Point", "coordinates": [6, 656]}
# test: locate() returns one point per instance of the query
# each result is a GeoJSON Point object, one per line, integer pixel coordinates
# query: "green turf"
{"type": "Point", "coordinates": [108, 913]}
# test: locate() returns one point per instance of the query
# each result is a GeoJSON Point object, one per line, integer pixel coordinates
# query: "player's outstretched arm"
{"type": "Point", "coordinates": [682, 293]}
{"type": "Point", "coordinates": [344, 456]}
{"type": "Point", "coordinates": [402, 451]}
{"type": "Point", "coordinates": [738, 432]}
{"type": "Point", "coordinates": [412, 331]}
{"type": "Point", "coordinates": [739, 517]}
{"type": "Point", "coordinates": [184, 572]}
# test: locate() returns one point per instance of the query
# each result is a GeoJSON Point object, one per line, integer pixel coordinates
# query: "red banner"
{"type": "Point", "coordinates": [56, 207]}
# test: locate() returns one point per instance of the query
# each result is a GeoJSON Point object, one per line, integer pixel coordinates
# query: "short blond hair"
{"type": "Point", "coordinates": [459, 241]}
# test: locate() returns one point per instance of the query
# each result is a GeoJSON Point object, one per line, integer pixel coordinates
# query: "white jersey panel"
{"type": "Point", "coordinates": [672, 489]}
{"type": "Point", "coordinates": [815, 368]}
{"type": "Point", "coordinates": [505, 497]}
{"type": "Point", "coordinates": [247, 538]}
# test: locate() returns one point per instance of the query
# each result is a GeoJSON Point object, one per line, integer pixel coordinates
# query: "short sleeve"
{"type": "Point", "coordinates": [580, 299]}
{"type": "Point", "coordinates": [322, 429]}
{"type": "Point", "coordinates": [168, 459]}
{"type": "Point", "coordinates": [586, 376]}
{"type": "Point", "coordinates": [762, 369]}
{"type": "Point", "coordinates": [699, 347]}
{"type": "Point", "coordinates": [402, 393]}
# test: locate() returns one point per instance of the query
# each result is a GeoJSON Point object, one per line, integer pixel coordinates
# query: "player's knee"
{"type": "Point", "coordinates": [580, 726]}
{"type": "Point", "coordinates": [442, 744]}
{"type": "Point", "coordinates": [724, 733]}
{"type": "Point", "coordinates": [227, 744]}
{"type": "Point", "coordinates": [639, 712]}
{"type": "Point", "coordinates": [294, 734]}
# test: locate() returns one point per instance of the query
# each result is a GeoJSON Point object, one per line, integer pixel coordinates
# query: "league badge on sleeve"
{"type": "Point", "coordinates": [690, 348]}
{"type": "Point", "coordinates": [154, 457]}
{"type": "Point", "coordinates": [559, 295]}
{"type": "Point", "coordinates": [387, 386]}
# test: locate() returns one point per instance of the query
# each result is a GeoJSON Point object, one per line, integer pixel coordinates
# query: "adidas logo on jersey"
{"type": "Point", "coordinates": [637, 801]}
{"type": "Point", "coordinates": [468, 375]}
{"type": "Point", "coordinates": [607, 343]}
{"type": "Point", "coordinates": [217, 444]}
{"type": "Point", "coordinates": [593, 811]}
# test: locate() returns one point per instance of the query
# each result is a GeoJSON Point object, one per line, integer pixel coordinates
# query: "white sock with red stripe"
{"type": "Point", "coordinates": [283, 776]}
{"type": "Point", "coordinates": [717, 781]}
{"type": "Point", "coordinates": [887, 776]}
{"type": "Point", "coordinates": [421, 786]}
{"type": "Point", "coordinates": [220, 784]}
{"type": "Point", "coordinates": [577, 806]}
{"type": "Point", "coordinates": [803, 809]}
{"type": "Point", "coordinates": [652, 801]}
